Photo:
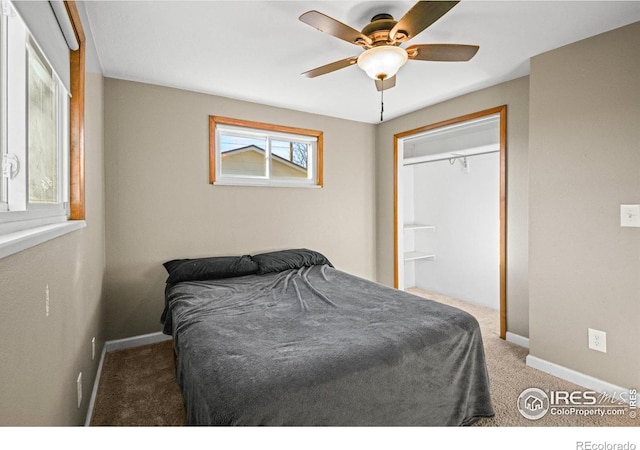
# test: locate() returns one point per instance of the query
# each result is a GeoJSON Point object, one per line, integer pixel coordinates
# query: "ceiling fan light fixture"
{"type": "Point", "coordinates": [382, 62]}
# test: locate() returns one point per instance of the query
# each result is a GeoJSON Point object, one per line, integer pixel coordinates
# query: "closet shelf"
{"type": "Point", "coordinates": [412, 256]}
{"type": "Point", "coordinates": [418, 226]}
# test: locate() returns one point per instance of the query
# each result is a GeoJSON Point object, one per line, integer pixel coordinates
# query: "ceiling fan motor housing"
{"type": "Point", "coordinates": [378, 30]}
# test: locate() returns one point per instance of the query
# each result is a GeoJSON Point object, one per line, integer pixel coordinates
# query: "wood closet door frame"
{"type": "Point", "coordinates": [502, 111]}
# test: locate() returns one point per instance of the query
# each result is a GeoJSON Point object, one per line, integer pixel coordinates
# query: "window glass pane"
{"type": "Point", "coordinates": [3, 109]}
{"type": "Point", "coordinates": [42, 135]}
{"type": "Point", "coordinates": [243, 155]}
{"type": "Point", "coordinates": [258, 154]}
{"type": "Point", "coordinates": [289, 159]}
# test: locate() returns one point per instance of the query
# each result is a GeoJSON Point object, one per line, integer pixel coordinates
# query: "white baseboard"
{"type": "Point", "coordinates": [136, 341]}
{"type": "Point", "coordinates": [119, 344]}
{"type": "Point", "coordinates": [581, 379]}
{"type": "Point", "coordinates": [517, 339]}
{"type": "Point", "coordinates": [94, 391]}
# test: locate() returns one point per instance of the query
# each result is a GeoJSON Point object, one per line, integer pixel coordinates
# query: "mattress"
{"type": "Point", "coordinates": [316, 346]}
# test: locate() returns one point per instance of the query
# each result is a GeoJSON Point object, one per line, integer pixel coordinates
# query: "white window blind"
{"type": "Point", "coordinates": [44, 25]}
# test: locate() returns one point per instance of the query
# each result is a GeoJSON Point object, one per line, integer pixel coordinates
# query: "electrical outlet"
{"type": "Point", "coordinates": [630, 215]}
{"type": "Point", "coordinates": [93, 348]}
{"type": "Point", "coordinates": [598, 340]}
{"type": "Point", "coordinates": [79, 386]}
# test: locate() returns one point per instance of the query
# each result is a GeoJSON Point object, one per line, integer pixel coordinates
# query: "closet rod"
{"type": "Point", "coordinates": [447, 158]}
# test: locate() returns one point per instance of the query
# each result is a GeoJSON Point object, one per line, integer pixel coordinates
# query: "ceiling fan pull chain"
{"type": "Point", "coordinates": [381, 100]}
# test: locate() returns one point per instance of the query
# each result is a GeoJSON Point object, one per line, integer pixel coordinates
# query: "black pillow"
{"type": "Point", "coordinates": [288, 259]}
{"type": "Point", "coordinates": [212, 268]}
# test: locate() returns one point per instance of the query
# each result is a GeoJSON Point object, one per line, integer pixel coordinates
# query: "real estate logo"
{"type": "Point", "coordinates": [533, 403]}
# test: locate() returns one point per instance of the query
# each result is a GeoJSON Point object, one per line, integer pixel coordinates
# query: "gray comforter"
{"type": "Point", "coordinates": [317, 346]}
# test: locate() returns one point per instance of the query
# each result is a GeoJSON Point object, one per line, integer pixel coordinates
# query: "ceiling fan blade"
{"type": "Point", "coordinates": [383, 85]}
{"type": "Point", "coordinates": [418, 18]}
{"type": "Point", "coordinates": [442, 52]}
{"type": "Point", "coordinates": [322, 70]}
{"type": "Point", "coordinates": [335, 28]}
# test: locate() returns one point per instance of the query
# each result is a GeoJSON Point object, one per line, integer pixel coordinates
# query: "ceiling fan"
{"type": "Point", "coordinates": [382, 39]}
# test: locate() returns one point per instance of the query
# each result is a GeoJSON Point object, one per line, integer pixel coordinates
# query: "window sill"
{"type": "Point", "coordinates": [21, 240]}
{"type": "Point", "coordinates": [263, 184]}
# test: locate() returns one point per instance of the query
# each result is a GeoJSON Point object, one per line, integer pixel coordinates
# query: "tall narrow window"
{"type": "Point", "coordinates": [41, 126]}
{"type": "Point", "coordinates": [4, 162]}
{"type": "Point", "coordinates": [43, 142]}
{"type": "Point", "coordinates": [34, 129]}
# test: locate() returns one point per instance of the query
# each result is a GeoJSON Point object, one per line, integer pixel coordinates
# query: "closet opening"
{"type": "Point", "coordinates": [450, 209]}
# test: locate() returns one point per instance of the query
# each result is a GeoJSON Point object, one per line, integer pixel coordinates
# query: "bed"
{"type": "Point", "coordinates": [285, 338]}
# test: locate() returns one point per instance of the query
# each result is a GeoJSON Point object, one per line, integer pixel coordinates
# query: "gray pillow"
{"type": "Point", "coordinates": [212, 268]}
{"type": "Point", "coordinates": [279, 261]}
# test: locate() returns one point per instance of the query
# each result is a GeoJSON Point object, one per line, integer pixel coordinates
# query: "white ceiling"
{"type": "Point", "coordinates": [256, 50]}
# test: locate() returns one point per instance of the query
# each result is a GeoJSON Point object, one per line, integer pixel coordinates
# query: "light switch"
{"type": "Point", "coordinates": [630, 215]}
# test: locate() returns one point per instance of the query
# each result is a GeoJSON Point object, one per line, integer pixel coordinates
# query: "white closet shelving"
{"type": "Point", "coordinates": [416, 255]}
{"type": "Point", "coordinates": [418, 226]}
{"type": "Point", "coordinates": [413, 256]}
{"type": "Point", "coordinates": [448, 177]}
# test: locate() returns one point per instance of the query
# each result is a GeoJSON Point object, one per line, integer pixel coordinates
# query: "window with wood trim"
{"type": "Point", "coordinates": [35, 133]}
{"type": "Point", "coordinates": [244, 153]}
{"type": "Point", "coordinates": [41, 122]}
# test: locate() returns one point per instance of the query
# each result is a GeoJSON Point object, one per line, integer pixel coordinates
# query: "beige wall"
{"type": "Point", "coordinates": [161, 206]}
{"type": "Point", "coordinates": [584, 162]}
{"type": "Point", "coordinates": [40, 356]}
{"type": "Point", "coordinates": [514, 94]}
{"type": "Point", "coordinates": [580, 270]}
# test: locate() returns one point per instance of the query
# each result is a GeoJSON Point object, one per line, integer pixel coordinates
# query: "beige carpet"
{"type": "Point", "coordinates": [510, 375]}
{"type": "Point", "coordinates": [137, 386]}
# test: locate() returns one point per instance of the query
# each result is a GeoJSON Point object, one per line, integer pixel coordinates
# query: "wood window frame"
{"type": "Point", "coordinates": [76, 118]}
{"type": "Point", "coordinates": [218, 120]}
